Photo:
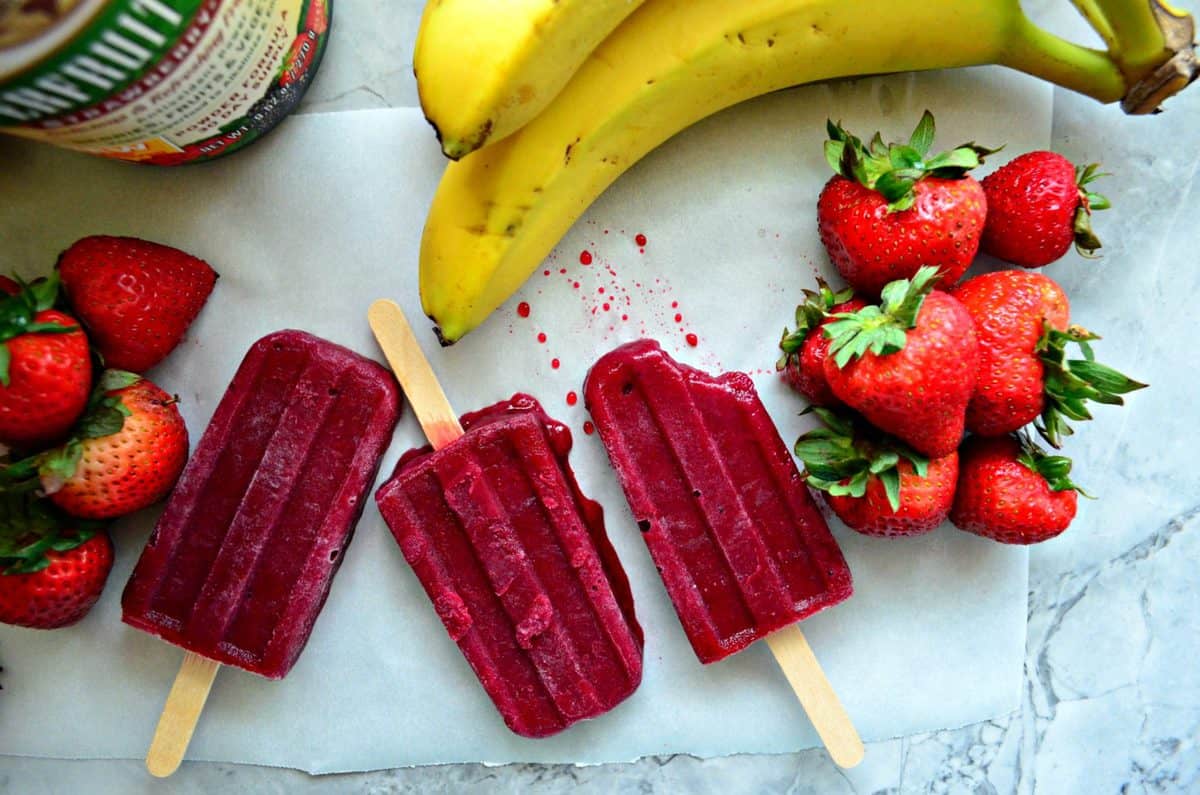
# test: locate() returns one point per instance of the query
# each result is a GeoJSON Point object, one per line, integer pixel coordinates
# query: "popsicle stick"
{"type": "Point", "coordinates": [184, 704]}
{"type": "Point", "coordinates": [412, 370]}
{"type": "Point", "coordinates": [816, 695]}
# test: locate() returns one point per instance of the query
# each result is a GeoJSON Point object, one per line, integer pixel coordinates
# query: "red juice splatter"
{"type": "Point", "coordinates": [678, 318]}
{"type": "Point", "coordinates": [600, 290]}
{"type": "Point", "coordinates": [572, 398]}
{"type": "Point", "coordinates": [640, 239]}
{"type": "Point", "coordinates": [542, 337]}
{"type": "Point", "coordinates": [624, 317]}
{"type": "Point", "coordinates": [576, 285]}
{"type": "Point", "coordinates": [562, 270]}
{"type": "Point", "coordinates": [523, 309]}
{"type": "Point", "coordinates": [585, 257]}
{"type": "Point", "coordinates": [674, 304]}
{"type": "Point", "coordinates": [545, 273]}
{"type": "Point", "coordinates": [589, 428]}
{"type": "Point", "coordinates": [607, 307]}
{"type": "Point", "coordinates": [692, 340]}
{"type": "Point", "coordinates": [555, 364]}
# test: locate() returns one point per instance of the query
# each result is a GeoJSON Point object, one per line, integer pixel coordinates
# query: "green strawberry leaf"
{"type": "Point", "coordinates": [101, 421]}
{"type": "Point", "coordinates": [1055, 469]}
{"type": "Point", "coordinates": [60, 463]}
{"type": "Point", "coordinates": [44, 292]}
{"type": "Point", "coordinates": [922, 137]}
{"type": "Point", "coordinates": [113, 380]}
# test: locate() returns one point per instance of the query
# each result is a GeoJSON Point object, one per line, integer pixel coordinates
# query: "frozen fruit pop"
{"type": "Point", "coordinates": [513, 557]}
{"type": "Point", "coordinates": [242, 558]}
{"type": "Point", "coordinates": [741, 547]}
{"type": "Point", "coordinates": [742, 550]}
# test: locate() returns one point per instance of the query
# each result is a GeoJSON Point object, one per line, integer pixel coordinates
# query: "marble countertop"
{"type": "Point", "coordinates": [1111, 695]}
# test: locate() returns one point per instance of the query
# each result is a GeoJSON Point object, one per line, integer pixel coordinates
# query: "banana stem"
{"type": "Point", "coordinates": [1140, 46]}
{"type": "Point", "coordinates": [1042, 54]}
{"type": "Point", "coordinates": [1091, 12]}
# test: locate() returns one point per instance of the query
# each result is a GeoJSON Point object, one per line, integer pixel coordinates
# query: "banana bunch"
{"type": "Point", "coordinates": [544, 103]}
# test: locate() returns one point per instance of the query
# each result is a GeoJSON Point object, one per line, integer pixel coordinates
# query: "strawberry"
{"type": "Point", "coordinates": [891, 208]}
{"type": "Point", "coordinates": [1038, 205]}
{"type": "Point", "coordinates": [1021, 321]}
{"type": "Point", "coordinates": [133, 446]}
{"type": "Point", "coordinates": [45, 368]}
{"type": "Point", "coordinates": [1011, 491]}
{"type": "Point", "coordinates": [875, 484]}
{"type": "Point", "coordinates": [50, 576]}
{"type": "Point", "coordinates": [805, 349]}
{"type": "Point", "coordinates": [908, 366]}
{"type": "Point", "coordinates": [8, 286]}
{"type": "Point", "coordinates": [135, 298]}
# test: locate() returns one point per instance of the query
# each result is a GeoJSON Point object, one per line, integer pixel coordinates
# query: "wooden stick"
{"type": "Point", "coordinates": [412, 370]}
{"type": "Point", "coordinates": [441, 426]}
{"type": "Point", "coordinates": [184, 704]}
{"type": "Point", "coordinates": [816, 695]}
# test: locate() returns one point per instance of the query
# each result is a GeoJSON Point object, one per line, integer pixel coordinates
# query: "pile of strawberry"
{"type": "Point", "coordinates": [904, 362]}
{"type": "Point", "coordinates": [84, 438]}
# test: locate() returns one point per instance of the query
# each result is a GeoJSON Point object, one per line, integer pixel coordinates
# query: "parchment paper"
{"type": "Point", "coordinates": [310, 226]}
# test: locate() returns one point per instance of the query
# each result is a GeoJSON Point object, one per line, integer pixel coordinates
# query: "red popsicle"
{"type": "Point", "coordinates": [740, 545]}
{"type": "Point", "coordinates": [513, 556]}
{"type": "Point", "coordinates": [242, 558]}
{"type": "Point", "coordinates": [742, 550]}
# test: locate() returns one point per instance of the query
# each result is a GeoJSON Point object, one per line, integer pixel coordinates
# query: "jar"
{"type": "Point", "coordinates": [155, 81]}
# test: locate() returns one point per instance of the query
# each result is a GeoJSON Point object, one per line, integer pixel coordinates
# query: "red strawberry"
{"type": "Point", "coordinates": [62, 588]}
{"type": "Point", "coordinates": [8, 286]}
{"type": "Point", "coordinates": [889, 210]}
{"type": "Point", "coordinates": [805, 349]}
{"type": "Point", "coordinates": [135, 298]}
{"type": "Point", "coordinates": [45, 368]}
{"type": "Point", "coordinates": [124, 463]}
{"type": "Point", "coordinates": [1021, 321]}
{"type": "Point", "coordinates": [1038, 205]}
{"type": "Point", "coordinates": [1011, 491]}
{"type": "Point", "coordinates": [908, 366]}
{"type": "Point", "coordinates": [875, 484]}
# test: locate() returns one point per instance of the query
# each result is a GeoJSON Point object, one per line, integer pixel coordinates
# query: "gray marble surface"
{"type": "Point", "coordinates": [1112, 690]}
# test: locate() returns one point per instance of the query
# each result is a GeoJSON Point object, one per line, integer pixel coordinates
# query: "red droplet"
{"type": "Point", "coordinates": [640, 239]}
{"type": "Point", "coordinates": [600, 290]}
{"type": "Point", "coordinates": [624, 317]}
{"type": "Point", "coordinates": [692, 340]}
{"type": "Point", "coordinates": [576, 285]}
{"type": "Point", "coordinates": [585, 257]}
{"type": "Point", "coordinates": [562, 270]}
{"type": "Point", "coordinates": [678, 318]}
{"type": "Point", "coordinates": [589, 428]}
{"type": "Point", "coordinates": [523, 309]}
{"type": "Point", "coordinates": [555, 364]}
{"type": "Point", "coordinates": [542, 337]}
{"type": "Point", "coordinates": [572, 398]}
{"type": "Point", "coordinates": [607, 307]}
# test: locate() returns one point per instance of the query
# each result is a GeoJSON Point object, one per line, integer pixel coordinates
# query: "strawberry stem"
{"type": "Point", "coordinates": [893, 169]}
{"type": "Point", "coordinates": [881, 329]}
{"type": "Point", "coordinates": [842, 456]}
{"type": "Point", "coordinates": [1055, 469]}
{"type": "Point", "coordinates": [1071, 383]}
{"type": "Point", "coordinates": [809, 315]}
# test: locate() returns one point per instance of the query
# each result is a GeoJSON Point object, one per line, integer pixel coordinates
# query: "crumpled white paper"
{"type": "Point", "coordinates": [310, 226]}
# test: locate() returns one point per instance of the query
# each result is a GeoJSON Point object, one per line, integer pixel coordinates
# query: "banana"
{"type": "Point", "coordinates": [498, 212]}
{"type": "Point", "coordinates": [486, 67]}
